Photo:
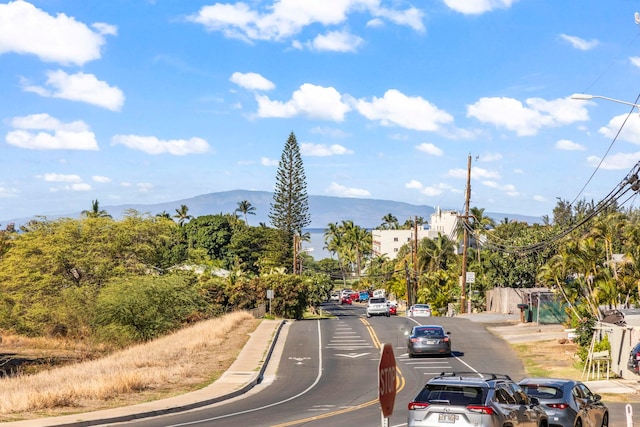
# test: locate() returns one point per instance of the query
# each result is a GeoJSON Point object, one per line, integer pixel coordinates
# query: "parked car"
{"type": "Point", "coordinates": [346, 300]}
{"type": "Point", "coordinates": [634, 359]}
{"type": "Point", "coordinates": [363, 296]}
{"type": "Point", "coordinates": [568, 403]}
{"type": "Point", "coordinates": [334, 297]}
{"type": "Point", "coordinates": [393, 307]}
{"type": "Point", "coordinates": [377, 307]}
{"type": "Point", "coordinates": [474, 399]}
{"type": "Point", "coordinates": [419, 310]}
{"type": "Point", "coordinates": [428, 339]}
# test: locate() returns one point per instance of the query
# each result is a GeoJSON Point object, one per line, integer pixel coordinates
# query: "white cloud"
{"type": "Point", "coordinates": [153, 145]}
{"type": "Point", "coordinates": [285, 19]}
{"type": "Point", "coordinates": [490, 157]}
{"type": "Point", "coordinates": [508, 189]}
{"type": "Point", "coordinates": [336, 41]}
{"type": "Point", "coordinates": [52, 135]}
{"type": "Point", "coordinates": [265, 161]}
{"type": "Point", "coordinates": [315, 102]}
{"type": "Point", "coordinates": [476, 172]}
{"type": "Point", "coordinates": [7, 193]}
{"type": "Point", "coordinates": [251, 81]}
{"type": "Point", "coordinates": [477, 7]}
{"type": "Point", "coordinates": [431, 191]}
{"type": "Point", "coordinates": [579, 43]}
{"type": "Point", "coordinates": [143, 187]}
{"type": "Point", "coordinates": [81, 186]}
{"type": "Point", "coordinates": [629, 125]}
{"type": "Point", "coordinates": [322, 150]}
{"type": "Point", "coordinates": [80, 87]}
{"type": "Point", "coordinates": [101, 179]}
{"type": "Point", "coordinates": [25, 29]}
{"type": "Point", "coordinates": [342, 191]}
{"type": "Point", "coordinates": [527, 120]}
{"type": "Point", "coordinates": [430, 149]}
{"type": "Point", "coordinates": [635, 60]}
{"type": "Point", "coordinates": [397, 109]}
{"type": "Point", "coordinates": [619, 161]}
{"type": "Point", "coordinates": [56, 177]}
{"type": "Point", "coordinates": [539, 198]}
{"type": "Point", "coordinates": [566, 145]}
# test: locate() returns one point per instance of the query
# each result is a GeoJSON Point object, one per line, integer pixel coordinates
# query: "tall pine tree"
{"type": "Point", "coordinates": [290, 207]}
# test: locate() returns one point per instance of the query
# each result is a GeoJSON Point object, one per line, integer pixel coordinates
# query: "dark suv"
{"type": "Point", "coordinates": [466, 399]}
{"type": "Point", "coordinates": [634, 359]}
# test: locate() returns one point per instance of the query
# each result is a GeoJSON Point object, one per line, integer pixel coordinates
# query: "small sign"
{"type": "Point", "coordinates": [269, 293]}
{"type": "Point", "coordinates": [471, 277]}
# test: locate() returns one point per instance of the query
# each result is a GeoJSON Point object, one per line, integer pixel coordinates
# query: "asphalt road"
{"type": "Point", "coordinates": [328, 373]}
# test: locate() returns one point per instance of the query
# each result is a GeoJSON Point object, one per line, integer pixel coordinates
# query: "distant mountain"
{"type": "Point", "coordinates": [366, 213]}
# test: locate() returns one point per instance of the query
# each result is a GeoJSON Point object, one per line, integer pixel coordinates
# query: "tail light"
{"type": "Point", "coordinates": [416, 406]}
{"type": "Point", "coordinates": [415, 339]}
{"type": "Point", "coordinates": [558, 405]}
{"type": "Point", "coordinates": [446, 339]}
{"type": "Point", "coordinates": [486, 410]}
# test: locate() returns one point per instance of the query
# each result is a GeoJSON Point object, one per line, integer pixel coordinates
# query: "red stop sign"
{"type": "Point", "coordinates": [387, 380]}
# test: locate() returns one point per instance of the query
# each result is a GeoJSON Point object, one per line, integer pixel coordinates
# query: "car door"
{"type": "Point", "coordinates": [516, 413]}
{"type": "Point", "coordinates": [592, 407]}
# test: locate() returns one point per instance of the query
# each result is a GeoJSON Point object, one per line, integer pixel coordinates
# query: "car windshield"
{"type": "Point", "coordinates": [542, 391]}
{"type": "Point", "coordinates": [377, 300]}
{"type": "Point", "coordinates": [452, 394]}
{"type": "Point", "coordinates": [421, 306]}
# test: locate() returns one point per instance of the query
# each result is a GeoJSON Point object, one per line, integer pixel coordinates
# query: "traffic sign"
{"type": "Point", "coordinates": [387, 380]}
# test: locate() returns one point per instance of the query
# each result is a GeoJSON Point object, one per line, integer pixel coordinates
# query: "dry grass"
{"type": "Point", "coordinates": [175, 364]}
{"type": "Point", "coordinates": [557, 358]}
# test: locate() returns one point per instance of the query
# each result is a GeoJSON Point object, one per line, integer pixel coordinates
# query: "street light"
{"type": "Point", "coordinates": [587, 97]}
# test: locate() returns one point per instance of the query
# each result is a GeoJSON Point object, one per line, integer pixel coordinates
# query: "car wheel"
{"type": "Point", "coordinates": [410, 355]}
{"type": "Point", "coordinates": [605, 420]}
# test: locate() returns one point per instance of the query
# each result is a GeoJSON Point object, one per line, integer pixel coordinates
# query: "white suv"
{"type": "Point", "coordinates": [377, 307]}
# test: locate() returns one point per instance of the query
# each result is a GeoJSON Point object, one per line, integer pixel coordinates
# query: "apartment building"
{"type": "Point", "coordinates": [389, 242]}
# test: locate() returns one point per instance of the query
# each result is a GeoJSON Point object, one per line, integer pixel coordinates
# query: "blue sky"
{"type": "Point", "coordinates": [144, 102]}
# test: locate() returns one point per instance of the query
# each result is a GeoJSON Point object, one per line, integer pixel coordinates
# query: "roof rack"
{"type": "Point", "coordinates": [481, 375]}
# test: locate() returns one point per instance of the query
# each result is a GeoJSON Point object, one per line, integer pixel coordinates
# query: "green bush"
{"type": "Point", "coordinates": [145, 307]}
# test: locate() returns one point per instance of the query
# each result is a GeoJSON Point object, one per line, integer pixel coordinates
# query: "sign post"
{"type": "Point", "coordinates": [387, 382]}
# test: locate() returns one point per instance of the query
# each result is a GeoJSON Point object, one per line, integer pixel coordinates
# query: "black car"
{"type": "Point", "coordinates": [634, 359]}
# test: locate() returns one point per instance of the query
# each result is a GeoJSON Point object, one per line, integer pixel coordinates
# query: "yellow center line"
{"type": "Point", "coordinates": [400, 383]}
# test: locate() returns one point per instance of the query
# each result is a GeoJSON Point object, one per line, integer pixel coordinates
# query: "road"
{"type": "Point", "coordinates": [327, 375]}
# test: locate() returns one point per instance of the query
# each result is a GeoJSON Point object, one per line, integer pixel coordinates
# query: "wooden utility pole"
{"type": "Point", "coordinates": [465, 242]}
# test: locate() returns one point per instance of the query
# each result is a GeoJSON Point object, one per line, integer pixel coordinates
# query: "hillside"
{"type": "Point", "coordinates": [366, 213]}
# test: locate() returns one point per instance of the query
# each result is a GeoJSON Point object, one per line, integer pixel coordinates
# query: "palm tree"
{"type": "Point", "coordinates": [163, 214]}
{"type": "Point", "coordinates": [95, 211]}
{"type": "Point", "coordinates": [389, 222]}
{"type": "Point", "coordinates": [182, 214]}
{"type": "Point", "coordinates": [245, 207]}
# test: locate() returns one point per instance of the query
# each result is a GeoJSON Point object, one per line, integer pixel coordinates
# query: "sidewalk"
{"type": "Point", "coordinates": [509, 328]}
{"type": "Point", "coordinates": [249, 369]}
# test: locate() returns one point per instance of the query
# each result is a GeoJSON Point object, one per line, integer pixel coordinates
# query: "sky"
{"type": "Point", "coordinates": [152, 101]}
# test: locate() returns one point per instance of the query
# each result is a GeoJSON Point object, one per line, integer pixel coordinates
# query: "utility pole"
{"type": "Point", "coordinates": [415, 260]}
{"type": "Point", "coordinates": [465, 242]}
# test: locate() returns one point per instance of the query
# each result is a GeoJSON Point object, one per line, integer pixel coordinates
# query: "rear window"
{"type": "Point", "coordinates": [542, 391]}
{"type": "Point", "coordinates": [452, 394]}
{"type": "Point", "coordinates": [429, 332]}
{"type": "Point", "coordinates": [377, 300]}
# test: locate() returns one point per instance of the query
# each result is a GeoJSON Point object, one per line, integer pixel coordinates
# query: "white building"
{"type": "Point", "coordinates": [389, 242]}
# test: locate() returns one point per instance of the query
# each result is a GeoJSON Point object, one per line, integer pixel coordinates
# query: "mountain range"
{"type": "Point", "coordinates": [366, 213]}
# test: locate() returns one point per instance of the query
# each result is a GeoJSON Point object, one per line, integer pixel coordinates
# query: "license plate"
{"type": "Point", "coordinates": [446, 418]}
{"type": "Point", "coordinates": [432, 341]}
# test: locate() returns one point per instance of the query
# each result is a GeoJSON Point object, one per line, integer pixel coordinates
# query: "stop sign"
{"type": "Point", "coordinates": [387, 380]}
